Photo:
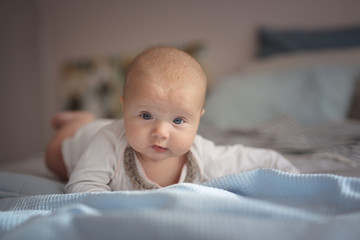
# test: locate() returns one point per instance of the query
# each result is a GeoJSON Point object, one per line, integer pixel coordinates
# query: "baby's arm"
{"type": "Point", "coordinates": [96, 167]}
{"type": "Point", "coordinates": [266, 158]}
{"type": "Point", "coordinates": [224, 160]}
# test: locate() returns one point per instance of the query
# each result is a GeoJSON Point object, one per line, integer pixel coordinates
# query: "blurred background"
{"type": "Point", "coordinates": [44, 43]}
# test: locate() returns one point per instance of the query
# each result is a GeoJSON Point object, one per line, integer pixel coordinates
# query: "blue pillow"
{"type": "Point", "coordinates": [310, 95]}
{"type": "Point", "coordinates": [272, 41]}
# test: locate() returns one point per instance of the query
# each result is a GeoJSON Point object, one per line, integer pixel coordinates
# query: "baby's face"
{"type": "Point", "coordinates": [161, 121]}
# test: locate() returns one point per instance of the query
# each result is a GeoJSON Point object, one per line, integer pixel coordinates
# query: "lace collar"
{"type": "Point", "coordinates": [140, 183]}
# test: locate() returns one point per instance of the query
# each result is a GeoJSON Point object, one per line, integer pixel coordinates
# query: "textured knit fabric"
{"type": "Point", "coordinates": [259, 204]}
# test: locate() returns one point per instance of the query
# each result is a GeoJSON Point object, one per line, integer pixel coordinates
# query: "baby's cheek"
{"type": "Point", "coordinates": [185, 142]}
{"type": "Point", "coordinates": [134, 135]}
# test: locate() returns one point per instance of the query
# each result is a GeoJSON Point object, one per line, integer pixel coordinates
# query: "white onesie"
{"type": "Point", "coordinates": [107, 163]}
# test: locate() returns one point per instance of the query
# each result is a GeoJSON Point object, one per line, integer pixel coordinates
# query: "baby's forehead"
{"type": "Point", "coordinates": [156, 93]}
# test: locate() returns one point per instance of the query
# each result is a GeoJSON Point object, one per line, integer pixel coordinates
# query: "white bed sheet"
{"type": "Point", "coordinates": [32, 165]}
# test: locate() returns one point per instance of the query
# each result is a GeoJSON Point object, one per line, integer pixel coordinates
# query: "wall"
{"type": "Point", "coordinates": [21, 105]}
{"type": "Point", "coordinates": [227, 28]}
{"type": "Point", "coordinates": [74, 28]}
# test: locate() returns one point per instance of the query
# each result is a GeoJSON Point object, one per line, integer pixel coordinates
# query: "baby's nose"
{"type": "Point", "coordinates": [161, 130]}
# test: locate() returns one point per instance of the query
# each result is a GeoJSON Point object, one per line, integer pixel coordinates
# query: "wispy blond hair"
{"type": "Point", "coordinates": [173, 64]}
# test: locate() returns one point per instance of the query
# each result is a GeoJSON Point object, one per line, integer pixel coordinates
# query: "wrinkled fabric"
{"type": "Point", "coordinates": [259, 204]}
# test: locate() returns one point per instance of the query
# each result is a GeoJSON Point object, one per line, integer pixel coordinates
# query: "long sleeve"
{"type": "Point", "coordinates": [219, 161]}
{"type": "Point", "coordinates": [97, 165]}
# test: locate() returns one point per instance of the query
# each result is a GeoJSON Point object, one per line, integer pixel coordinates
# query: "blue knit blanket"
{"type": "Point", "coordinates": [259, 204]}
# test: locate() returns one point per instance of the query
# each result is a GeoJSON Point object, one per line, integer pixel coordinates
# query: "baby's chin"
{"type": "Point", "coordinates": [159, 154]}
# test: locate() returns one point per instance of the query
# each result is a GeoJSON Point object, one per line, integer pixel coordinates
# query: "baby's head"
{"type": "Point", "coordinates": [164, 95]}
{"type": "Point", "coordinates": [170, 68]}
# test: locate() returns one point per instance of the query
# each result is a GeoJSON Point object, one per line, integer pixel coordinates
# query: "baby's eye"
{"type": "Point", "coordinates": [178, 121]}
{"type": "Point", "coordinates": [146, 116]}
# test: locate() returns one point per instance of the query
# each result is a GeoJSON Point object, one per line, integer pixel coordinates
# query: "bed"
{"type": "Point", "coordinates": [300, 103]}
{"type": "Point", "coordinates": [304, 105]}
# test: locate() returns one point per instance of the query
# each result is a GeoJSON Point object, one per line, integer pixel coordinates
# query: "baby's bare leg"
{"type": "Point", "coordinates": [66, 125]}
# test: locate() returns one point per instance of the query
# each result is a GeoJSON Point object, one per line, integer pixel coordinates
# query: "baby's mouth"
{"type": "Point", "coordinates": [158, 149]}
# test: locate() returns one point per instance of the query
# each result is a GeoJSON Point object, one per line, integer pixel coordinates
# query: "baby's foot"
{"type": "Point", "coordinates": [62, 118]}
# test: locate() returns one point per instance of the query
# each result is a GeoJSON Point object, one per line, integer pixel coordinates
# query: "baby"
{"type": "Point", "coordinates": [155, 144]}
